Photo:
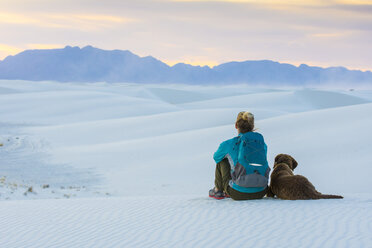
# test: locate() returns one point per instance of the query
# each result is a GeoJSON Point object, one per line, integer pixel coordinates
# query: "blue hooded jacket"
{"type": "Point", "coordinates": [247, 155]}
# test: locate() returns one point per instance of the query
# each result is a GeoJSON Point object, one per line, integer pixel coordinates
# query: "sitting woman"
{"type": "Point", "coordinates": [242, 171]}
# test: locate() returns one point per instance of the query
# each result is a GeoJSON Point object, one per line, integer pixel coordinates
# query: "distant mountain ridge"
{"type": "Point", "coordinates": [89, 64]}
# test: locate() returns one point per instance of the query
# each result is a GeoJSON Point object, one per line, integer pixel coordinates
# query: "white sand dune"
{"type": "Point", "coordinates": [185, 221]}
{"type": "Point", "coordinates": [136, 163]}
{"type": "Point", "coordinates": [72, 106]}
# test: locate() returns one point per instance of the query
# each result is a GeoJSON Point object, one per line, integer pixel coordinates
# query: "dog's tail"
{"type": "Point", "coordinates": [321, 196]}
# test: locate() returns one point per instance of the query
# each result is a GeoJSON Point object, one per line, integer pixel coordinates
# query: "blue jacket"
{"type": "Point", "coordinates": [247, 155]}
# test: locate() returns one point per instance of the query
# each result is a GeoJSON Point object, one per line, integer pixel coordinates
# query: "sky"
{"type": "Point", "coordinates": [199, 32]}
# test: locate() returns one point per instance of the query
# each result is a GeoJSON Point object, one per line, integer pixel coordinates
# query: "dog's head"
{"type": "Point", "coordinates": [286, 159]}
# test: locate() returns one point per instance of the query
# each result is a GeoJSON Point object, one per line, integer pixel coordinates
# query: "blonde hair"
{"type": "Point", "coordinates": [245, 122]}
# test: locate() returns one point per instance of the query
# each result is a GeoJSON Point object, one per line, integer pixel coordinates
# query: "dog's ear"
{"type": "Point", "coordinates": [294, 163]}
{"type": "Point", "coordinates": [279, 158]}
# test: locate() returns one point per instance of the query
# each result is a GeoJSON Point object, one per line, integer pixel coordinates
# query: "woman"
{"type": "Point", "coordinates": [242, 171]}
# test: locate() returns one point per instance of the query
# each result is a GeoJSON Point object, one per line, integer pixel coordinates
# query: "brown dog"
{"type": "Point", "coordinates": [287, 186]}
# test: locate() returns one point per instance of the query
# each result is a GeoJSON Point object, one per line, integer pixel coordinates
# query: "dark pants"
{"type": "Point", "coordinates": [221, 182]}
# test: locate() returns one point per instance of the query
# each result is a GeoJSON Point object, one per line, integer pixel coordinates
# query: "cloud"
{"type": "Point", "coordinates": [287, 2]}
{"type": "Point", "coordinates": [264, 2]}
{"type": "Point", "coordinates": [330, 35]}
{"type": "Point", "coordinates": [45, 46]}
{"type": "Point", "coordinates": [16, 18]}
{"type": "Point", "coordinates": [355, 2]}
{"type": "Point", "coordinates": [78, 21]}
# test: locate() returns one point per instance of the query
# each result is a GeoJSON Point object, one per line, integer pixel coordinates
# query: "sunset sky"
{"type": "Point", "coordinates": [199, 32]}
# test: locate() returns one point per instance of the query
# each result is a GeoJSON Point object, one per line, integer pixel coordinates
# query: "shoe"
{"type": "Point", "coordinates": [219, 195]}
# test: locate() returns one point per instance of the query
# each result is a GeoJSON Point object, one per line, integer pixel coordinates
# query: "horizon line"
{"type": "Point", "coordinates": [210, 64]}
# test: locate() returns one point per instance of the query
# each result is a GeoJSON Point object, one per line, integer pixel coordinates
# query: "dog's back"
{"type": "Point", "coordinates": [285, 185]}
{"type": "Point", "coordinates": [288, 186]}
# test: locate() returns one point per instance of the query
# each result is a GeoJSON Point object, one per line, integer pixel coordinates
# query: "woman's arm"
{"type": "Point", "coordinates": [223, 150]}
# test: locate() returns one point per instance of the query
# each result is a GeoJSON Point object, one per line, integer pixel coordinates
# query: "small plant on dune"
{"type": "Point", "coordinates": [29, 190]}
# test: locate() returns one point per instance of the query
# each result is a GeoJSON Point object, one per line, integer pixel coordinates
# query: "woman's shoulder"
{"type": "Point", "coordinates": [232, 140]}
{"type": "Point", "coordinates": [253, 135]}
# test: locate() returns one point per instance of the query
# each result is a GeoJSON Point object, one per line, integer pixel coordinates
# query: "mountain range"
{"type": "Point", "coordinates": [90, 64]}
